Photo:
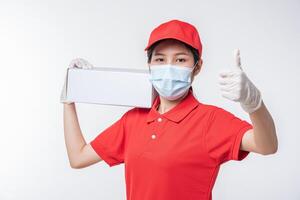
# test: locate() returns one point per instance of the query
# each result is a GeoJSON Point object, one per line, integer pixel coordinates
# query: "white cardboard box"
{"type": "Point", "coordinates": [110, 86]}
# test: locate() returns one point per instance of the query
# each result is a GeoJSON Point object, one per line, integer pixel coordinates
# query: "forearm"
{"type": "Point", "coordinates": [264, 130]}
{"type": "Point", "coordinates": [74, 139]}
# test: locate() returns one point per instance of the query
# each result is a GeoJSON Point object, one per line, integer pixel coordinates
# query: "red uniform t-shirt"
{"type": "Point", "coordinates": [175, 155]}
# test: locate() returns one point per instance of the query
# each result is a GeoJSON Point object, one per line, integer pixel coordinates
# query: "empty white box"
{"type": "Point", "coordinates": [110, 86]}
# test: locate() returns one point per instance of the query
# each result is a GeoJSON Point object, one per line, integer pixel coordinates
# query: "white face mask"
{"type": "Point", "coordinates": [171, 81]}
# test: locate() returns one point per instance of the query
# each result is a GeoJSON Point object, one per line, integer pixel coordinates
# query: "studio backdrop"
{"type": "Point", "coordinates": [38, 39]}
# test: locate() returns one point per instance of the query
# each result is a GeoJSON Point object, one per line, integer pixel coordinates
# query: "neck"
{"type": "Point", "coordinates": [166, 105]}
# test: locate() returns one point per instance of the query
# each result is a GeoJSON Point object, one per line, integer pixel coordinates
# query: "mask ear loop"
{"type": "Point", "coordinates": [195, 65]}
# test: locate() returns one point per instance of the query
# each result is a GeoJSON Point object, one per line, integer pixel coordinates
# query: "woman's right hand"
{"type": "Point", "coordinates": [75, 63]}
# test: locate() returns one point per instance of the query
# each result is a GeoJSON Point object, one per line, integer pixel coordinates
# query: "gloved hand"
{"type": "Point", "coordinates": [75, 63]}
{"type": "Point", "coordinates": [236, 86]}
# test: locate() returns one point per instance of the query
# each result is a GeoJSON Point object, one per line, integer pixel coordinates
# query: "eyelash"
{"type": "Point", "coordinates": [181, 59]}
{"type": "Point", "coordinates": [157, 59]}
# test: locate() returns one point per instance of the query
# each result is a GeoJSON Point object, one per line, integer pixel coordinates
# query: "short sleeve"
{"type": "Point", "coordinates": [224, 135]}
{"type": "Point", "coordinates": [110, 143]}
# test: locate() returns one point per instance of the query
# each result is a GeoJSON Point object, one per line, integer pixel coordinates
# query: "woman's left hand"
{"type": "Point", "coordinates": [236, 86]}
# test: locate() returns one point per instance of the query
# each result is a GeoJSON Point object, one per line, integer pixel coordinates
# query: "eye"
{"type": "Point", "coordinates": [181, 60]}
{"type": "Point", "coordinates": [159, 59]}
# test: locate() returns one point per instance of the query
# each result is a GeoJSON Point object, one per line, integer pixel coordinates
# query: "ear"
{"type": "Point", "coordinates": [198, 67]}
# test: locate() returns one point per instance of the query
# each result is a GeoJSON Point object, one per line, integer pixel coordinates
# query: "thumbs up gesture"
{"type": "Point", "coordinates": [236, 86]}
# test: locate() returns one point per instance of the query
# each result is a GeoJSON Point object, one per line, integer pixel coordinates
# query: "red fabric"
{"type": "Point", "coordinates": [179, 30]}
{"type": "Point", "coordinates": [183, 160]}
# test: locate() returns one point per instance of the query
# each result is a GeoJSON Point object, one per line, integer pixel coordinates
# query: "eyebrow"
{"type": "Point", "coordinates": [180, 53]}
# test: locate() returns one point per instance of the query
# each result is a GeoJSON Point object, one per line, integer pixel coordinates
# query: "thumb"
{"type": "Point", "coordinates": [237, 58]}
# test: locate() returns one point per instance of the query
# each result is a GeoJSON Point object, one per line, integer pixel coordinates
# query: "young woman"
{"type": "Point", "coordinates": [175, 149]}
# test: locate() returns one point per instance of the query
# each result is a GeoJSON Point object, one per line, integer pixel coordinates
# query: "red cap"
{"type": "Point", "coordinates": [179, 30]}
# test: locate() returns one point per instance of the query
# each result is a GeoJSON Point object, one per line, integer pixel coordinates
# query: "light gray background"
{"type": "Point", "coordinates": [39, 39]}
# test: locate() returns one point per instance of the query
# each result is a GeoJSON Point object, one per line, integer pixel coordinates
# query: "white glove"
{"type": "Point", "coordinates": [236, 86]}
{"type": "Point", "coordinates": [75, 63]}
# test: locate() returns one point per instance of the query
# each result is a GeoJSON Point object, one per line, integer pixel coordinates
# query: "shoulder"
{"type": "Point", "coordinates": [136, 113]}
{"type": "Point", "coordinates": [211, 109]}
{"type": "Point", "coordinates": [213, 113]}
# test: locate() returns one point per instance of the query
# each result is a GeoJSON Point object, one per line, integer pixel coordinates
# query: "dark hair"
{"type": "Point", "coordinates": [192, 49]}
